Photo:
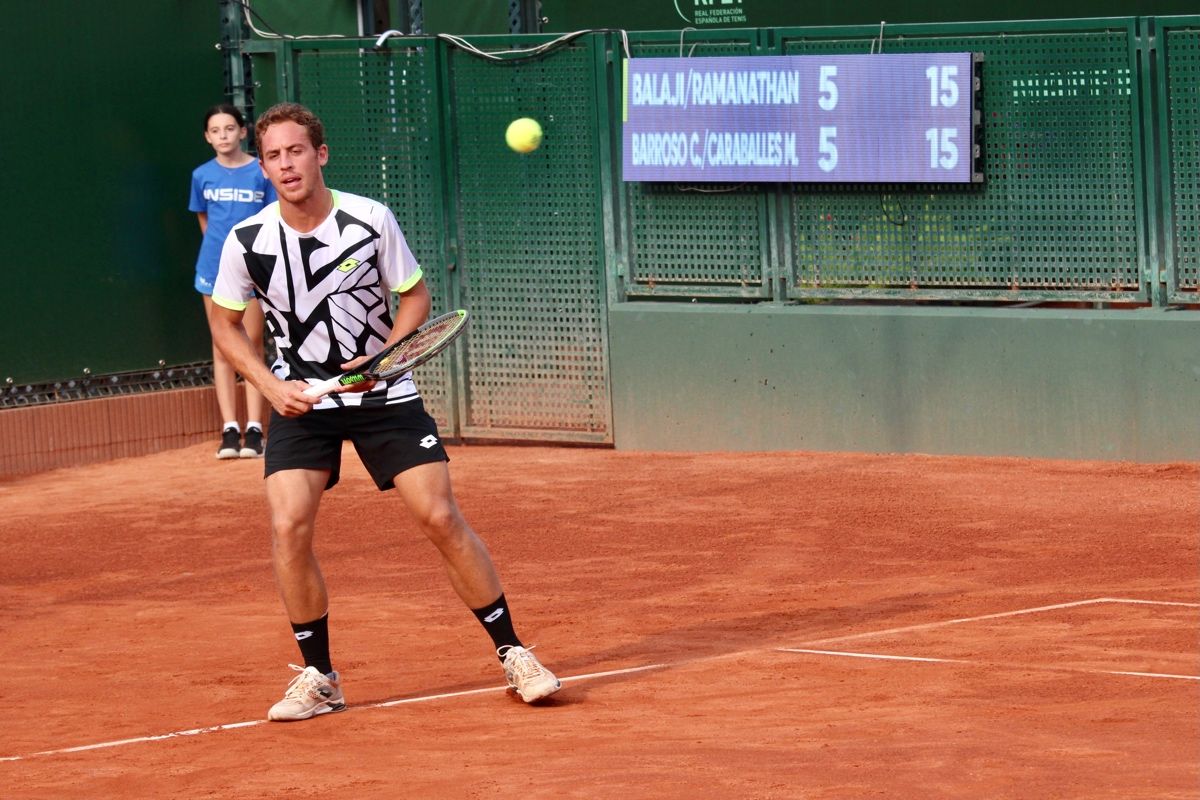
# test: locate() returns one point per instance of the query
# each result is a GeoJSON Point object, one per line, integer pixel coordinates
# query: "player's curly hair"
{"type": "Point", "coordinates": [294, 112]}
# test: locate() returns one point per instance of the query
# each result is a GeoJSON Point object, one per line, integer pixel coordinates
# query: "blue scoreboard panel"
{"type": "Point", "coordinates": [880, 118]}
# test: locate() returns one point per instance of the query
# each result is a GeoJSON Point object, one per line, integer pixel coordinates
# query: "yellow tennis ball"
{"type": "Point", "coordinates": [524, 135]}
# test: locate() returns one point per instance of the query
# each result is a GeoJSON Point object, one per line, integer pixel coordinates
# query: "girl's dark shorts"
{"type": "Point", "coordinates": [389, 440]}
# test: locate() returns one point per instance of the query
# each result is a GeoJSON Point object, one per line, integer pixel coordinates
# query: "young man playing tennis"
{"type": "Point", "coordinates": [322, 264]}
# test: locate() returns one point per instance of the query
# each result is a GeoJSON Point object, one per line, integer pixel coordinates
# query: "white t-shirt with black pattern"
{"type": "Point", "coordinates": [325, 292]}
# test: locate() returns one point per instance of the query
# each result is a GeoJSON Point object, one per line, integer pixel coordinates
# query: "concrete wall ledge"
{"type": "Point", "coordinates": [45, 437]}
{"type": "Point", "coordinates": [1038, 382]}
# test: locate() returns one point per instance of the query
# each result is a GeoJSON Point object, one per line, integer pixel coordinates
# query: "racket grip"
{"type": "Point", "coordinates": [323, 388]}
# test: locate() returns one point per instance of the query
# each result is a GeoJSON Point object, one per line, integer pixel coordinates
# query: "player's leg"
{"type": "Point", "coordinates": [293, 496]}
{"type": "Point", "coordinates": [225, 384]}
{"type": "Point", "coordinates": [427, 492]}
{"type": "Point", "coordinates": [399, 446]}
{"type": "Point", "coordinates": [252, 444]}
{"type": "Point", "coordinates": [303, 459]}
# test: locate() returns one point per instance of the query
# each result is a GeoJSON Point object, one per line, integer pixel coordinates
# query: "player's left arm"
{"type": "Point", "coordinates": [401, 272]}
{"type": "Point", "coordinates": [415, 304]}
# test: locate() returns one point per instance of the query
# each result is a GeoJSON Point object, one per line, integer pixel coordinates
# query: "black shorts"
{"type": "Point", "coordinates": [389, 439]}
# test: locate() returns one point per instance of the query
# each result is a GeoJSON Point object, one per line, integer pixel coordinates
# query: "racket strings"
{"type": "Point", "coordinates": [421, 342]}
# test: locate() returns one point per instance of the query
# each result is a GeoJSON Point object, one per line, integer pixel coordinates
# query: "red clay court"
{"type": "Point", "coordinates": [786, 625]}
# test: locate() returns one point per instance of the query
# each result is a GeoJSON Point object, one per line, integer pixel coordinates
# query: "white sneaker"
{"type": "Point", "coordinates": [310, 693]}
{"type": "Point", "coordinates": [526, 675]}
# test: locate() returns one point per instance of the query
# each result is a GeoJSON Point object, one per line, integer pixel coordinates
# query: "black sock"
{"type": "Point", "coordinates": [498, 623]}
{"type": "Point", "coordinates": [313, 638]}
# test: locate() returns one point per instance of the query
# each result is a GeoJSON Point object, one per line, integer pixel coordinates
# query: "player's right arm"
{"type": "Point", "coordinates": [286, 397]}
{"type": "Point", "coordinates": [231, 293]}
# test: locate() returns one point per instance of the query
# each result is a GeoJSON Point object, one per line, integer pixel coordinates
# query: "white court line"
{"type": "Point", "coordinates": [1039, 609]}
{"type": "Point", "coordinates": [1038, 667]}
{"type": "Point", "coordinates": [879, 656]}
{"type": "Point", "coordinates": [1150, 602]}
{"type": "Point", "coordinates": [1149, 674]}
{"type": "Point", "coordinates": [251, 723]}
{"type": "Point", "coordinates": [590, 676]}
{"type": "Point", "coordinates": [961, 620]}
{"type": "Point", "coordinates": [594, 675]}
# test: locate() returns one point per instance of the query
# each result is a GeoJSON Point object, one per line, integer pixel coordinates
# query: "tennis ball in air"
{"type": "Point", "coordinates": [524, 135]}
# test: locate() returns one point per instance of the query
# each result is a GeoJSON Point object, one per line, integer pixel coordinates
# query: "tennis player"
{"type": "Point", "coordinates": [323, 264]}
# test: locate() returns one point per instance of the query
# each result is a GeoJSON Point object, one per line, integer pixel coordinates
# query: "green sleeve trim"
{"type": "Point", "coordinates": [411, 282]}
{"type": "Point", "coordinates": [232, 305]}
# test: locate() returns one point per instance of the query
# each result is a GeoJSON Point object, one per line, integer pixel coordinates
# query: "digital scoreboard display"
{"type": "Point", "coordinates": [881, 118]}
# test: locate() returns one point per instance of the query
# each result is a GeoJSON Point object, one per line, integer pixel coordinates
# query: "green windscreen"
{"type": "Point", "coordinates": [382, 125]}
{"type": "Point", "coordinates": [1181, 76]}
{"type": "Point", "coordinates": [1059, 207]}
{"type": "Point", "coordinates": [530, 244]}
{"type": "Point", "coordinates": [100, 250]}
{"type": "Point", "coordinates": [695, 238]}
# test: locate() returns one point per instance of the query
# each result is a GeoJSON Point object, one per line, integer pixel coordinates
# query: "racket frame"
{"type": "Point", "coordinates": [360, 375]}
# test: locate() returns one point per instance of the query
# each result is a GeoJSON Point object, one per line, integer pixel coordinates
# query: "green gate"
{"type": "Point", "coordinates": [529, 243]}
{"type": "Point", "coordinates": [516, 239]}
{"type": "Point", "coordinates": [1091, 163]}
{"type": "Point", "coordinates": [1176, 62]}
{"type": "Point", "coordinates": [1060, 214]}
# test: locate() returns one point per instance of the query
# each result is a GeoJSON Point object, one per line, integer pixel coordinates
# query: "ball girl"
{"type": "Point", "coordinates": [226, 190]}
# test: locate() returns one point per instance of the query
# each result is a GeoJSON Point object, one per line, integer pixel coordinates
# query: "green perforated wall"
{"type": "Point", "coordinates": [530, 245]}
{"type": "Point", "coordinates": [381, 122]}
{"type": "Point", "coordinates": [1059, 210]}
{"type": "Point", "coordinates": [1182, 76]}
{"type": "Point", "coordinates": [695, 238]}
{"type": "Point", "coordinates": [1085, 190]}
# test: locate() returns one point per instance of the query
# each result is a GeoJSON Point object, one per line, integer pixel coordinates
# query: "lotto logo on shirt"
{"type": "Point", "coordinates": [231, 195]}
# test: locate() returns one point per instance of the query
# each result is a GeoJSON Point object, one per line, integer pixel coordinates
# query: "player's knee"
{"type": "Point", "coordinates": [291, 538]}
{"type": "Point", "coordinates": [442, 523]}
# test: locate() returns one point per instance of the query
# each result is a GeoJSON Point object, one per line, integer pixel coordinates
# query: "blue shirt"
{"type": "Point", "coordinates": [228, 195]}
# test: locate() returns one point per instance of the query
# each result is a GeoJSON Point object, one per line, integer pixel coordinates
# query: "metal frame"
{"type": "Point", "coordinates": [1157, 121]}
{"type": "Point", "coordinates": [630, 283]}
{"type": "Point", "coordinates": [1158, 283]}
{"type": "Point", "coordinates": [868, 34]}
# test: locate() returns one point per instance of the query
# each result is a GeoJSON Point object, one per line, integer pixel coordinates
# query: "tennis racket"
{"type": "Point", "coordinates": [413, 350]}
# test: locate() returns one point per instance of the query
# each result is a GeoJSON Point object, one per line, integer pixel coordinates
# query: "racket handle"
{"type": "Point", "coordinates": [323, 388]}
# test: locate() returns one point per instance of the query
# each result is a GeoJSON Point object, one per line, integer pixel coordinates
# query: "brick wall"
{"type": "Point", "coordinates": [46, 437]}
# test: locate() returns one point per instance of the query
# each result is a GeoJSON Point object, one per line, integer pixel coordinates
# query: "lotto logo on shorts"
{"type": "Point", "coordinates": [429, 441]}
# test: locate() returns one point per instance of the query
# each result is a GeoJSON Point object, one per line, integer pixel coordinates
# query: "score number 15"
{"type": "Point", "coordinates": [943, 90]}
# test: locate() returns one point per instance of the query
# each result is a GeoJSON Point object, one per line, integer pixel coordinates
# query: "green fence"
{"type": "Point", "coordinates": [1090, 154]}
{"type": "Point", "coordinates": [514, 239]}
{"type": "Point", "coordinates": [1060, 217]}
{"type": "Point", "coordinates": [1061, 212]}
{"type": "Point", "coordinates": [99, 259]}
{"type": "Point", "coordinates": [1175, 63]}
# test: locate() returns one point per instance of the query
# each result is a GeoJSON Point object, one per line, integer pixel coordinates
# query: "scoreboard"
{"type": "Point", "coordinates": [880, 118]}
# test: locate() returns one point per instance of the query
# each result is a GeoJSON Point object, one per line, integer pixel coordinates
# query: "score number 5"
{"type": "Point", "coordinates": [828, 102]}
